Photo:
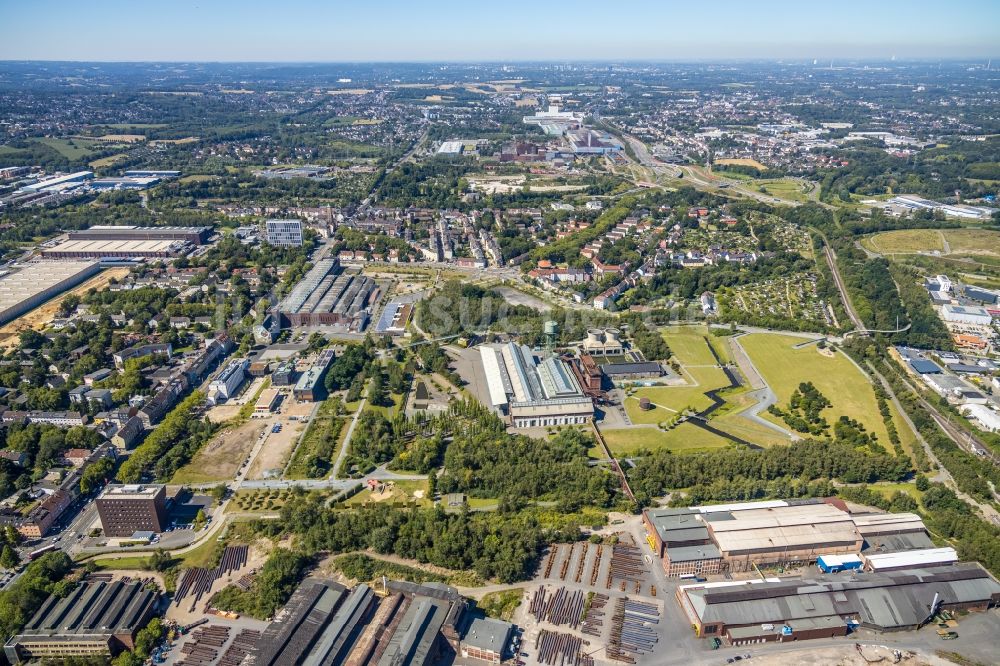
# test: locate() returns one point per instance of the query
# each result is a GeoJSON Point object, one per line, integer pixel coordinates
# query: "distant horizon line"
{"type": "Point", "coordinates": [817, 61]}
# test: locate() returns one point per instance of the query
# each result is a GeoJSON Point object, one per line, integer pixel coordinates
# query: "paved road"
{"type": "Point", "coordinates": [762, 392]}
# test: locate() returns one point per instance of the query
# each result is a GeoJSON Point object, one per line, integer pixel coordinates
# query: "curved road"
{"type": "Point", "coordinates": [762, 392]}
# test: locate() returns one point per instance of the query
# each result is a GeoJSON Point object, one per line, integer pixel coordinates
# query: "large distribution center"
{"type": "Point", "coordinates": [327, 297]}
{"type": "Point", "coordinates": [533, 391]}
{"type": "Point", "coordinates": [193, 235]}
{"type": "Point", "coordinates": [94, 619]}
{"type": "Point", "coordinates": [116, 249]}
{"type": "Point", "coordinates": [30, 285]}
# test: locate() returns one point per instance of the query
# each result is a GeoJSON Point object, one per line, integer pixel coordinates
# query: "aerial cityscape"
{"type": "Point", "coordinates": [421, 333]}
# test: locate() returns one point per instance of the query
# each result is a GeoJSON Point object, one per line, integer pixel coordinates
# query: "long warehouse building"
{"type": "Point", "coordinates": [777, 610]}
{"type": "Point", "coordinates": [94, 619]}
{"type": "Point", "coordinates": [532, 391]}
{"type": "Point", "coordinates": [29, 285]}
{"type": "Point", "coordinates": [327, 297]}
{"type": "Point", "coordinates": [193, 235]}
{"type": "Point", "coordinates": [324, 624]}
{"type": "Point", "coordinates": [739, 537]}
{"type": "Point", "coordinates": [117, 249]}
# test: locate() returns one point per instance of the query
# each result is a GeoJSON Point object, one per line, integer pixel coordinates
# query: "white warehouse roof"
{"type": "Point", "coordinates": [911, 558]}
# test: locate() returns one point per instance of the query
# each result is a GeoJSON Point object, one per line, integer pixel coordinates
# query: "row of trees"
{"type": "Point", "coordinates": [808, 460]}
{"type": "Point", "coordinates": [171, 444]}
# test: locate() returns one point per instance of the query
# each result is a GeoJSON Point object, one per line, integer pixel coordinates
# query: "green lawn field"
{"type": "Point", "coordinates": [71, 150]}
{"type": "Point", "coordinates": [784, 368]}
{"type": "Point", "coordinates": [783, 189]}
{"type": "Point", "coordinates": [887, 490]}
{"type": "Point", "coordinates": [668, 400]}
{"type": "Point", "coordinates": [688, 344]}
{"type": "Point", "coordinates": [685, 437]}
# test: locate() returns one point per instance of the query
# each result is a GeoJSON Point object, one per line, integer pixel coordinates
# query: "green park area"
{"type": "Point", "coordinates": [685, 437]}
{"type": "Point", "coordinates": [783, 188]}
{"type": "Point", "coordinates": [784, 365]}
{"type": "Point", "coordinates": [690, 351]}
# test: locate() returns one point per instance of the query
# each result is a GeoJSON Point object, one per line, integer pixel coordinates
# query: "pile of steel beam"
{"type": "Point", "coordinates": [242, 645]}
{"type": "Point", "coordinates": [556, 649]}
{"type": "Point", "coordinates": [626, 565]}
{"type": "Point", "coordinates": [560, 607]}
{"type": "Point", "coordinates": [593, 617]}
{"type": "Point", "coordinates": [203, 648]}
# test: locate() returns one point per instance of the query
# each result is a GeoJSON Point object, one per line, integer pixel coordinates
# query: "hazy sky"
{"type": "Point", "coordinates": [403, 30]}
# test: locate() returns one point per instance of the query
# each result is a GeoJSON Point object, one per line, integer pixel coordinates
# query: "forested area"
{"type": "Point", "coordinates": [271, 588]}
{"type": "Point", "coordinates": [496, 545]}
{"type": "Point", "coordinates": [935, 173]}
{"type": "Point", "coordinates": [482, 460]}
{"type": "Point", "coordinates": [24, 596]}
{"type": "Point", "coordinates": [478, 457]}
{"type": "Point", "coordinates": [743, 474]}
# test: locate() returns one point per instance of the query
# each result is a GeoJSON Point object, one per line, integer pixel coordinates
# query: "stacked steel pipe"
{"type": "Point", "coordinates": [556, 649]}
{"type": "Point", "coordinates": [632, 630]}
{"type": "Point", "coordinates": [560, 607]}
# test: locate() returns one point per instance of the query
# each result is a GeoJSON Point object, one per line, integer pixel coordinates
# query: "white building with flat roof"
{"type": "Point", "coordinates": [985, 418]}
{"type": "Point", "coordinates": [966, 314]}
{"type": "Point", "coordinates": [29, 285]}
{"type": "Point", "coordinates": [229, 379]}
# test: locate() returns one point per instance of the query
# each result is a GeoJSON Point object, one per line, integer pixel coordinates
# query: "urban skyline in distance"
{"type": "Point", "coordinates": [393, 31]}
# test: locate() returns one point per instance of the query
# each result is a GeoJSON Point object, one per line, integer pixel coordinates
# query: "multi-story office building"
{"type": "Point", "coordinates": [283, 233]}
{"type": "Point", "coordinates": [127, 509]}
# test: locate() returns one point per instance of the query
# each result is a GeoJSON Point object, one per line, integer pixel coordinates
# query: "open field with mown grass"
{"type": "Point", "coordinates": [742, 162]}
{"type": "Point", "coordinates": [783, 188]}
{"type": "Point", "coordinates": [668, 400]}
{"type": "Point", "coordinates": [945, 241]}
{"type": "Point", "coordinates": [685, 438]}
{"type": "Point", "coordinates": [784, 368]}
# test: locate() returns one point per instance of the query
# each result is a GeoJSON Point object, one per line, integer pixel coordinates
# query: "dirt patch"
{"type": "Point", "coordinates": [43, 315]}
{"type": "Point", "coordinates": [276, 450]}
{"type": "Point", "coordinates": [846, 655]}
{"type": "Point", "coordinates": [222, 413]}
{"type": "Point", "coordinates": [220, 458]}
